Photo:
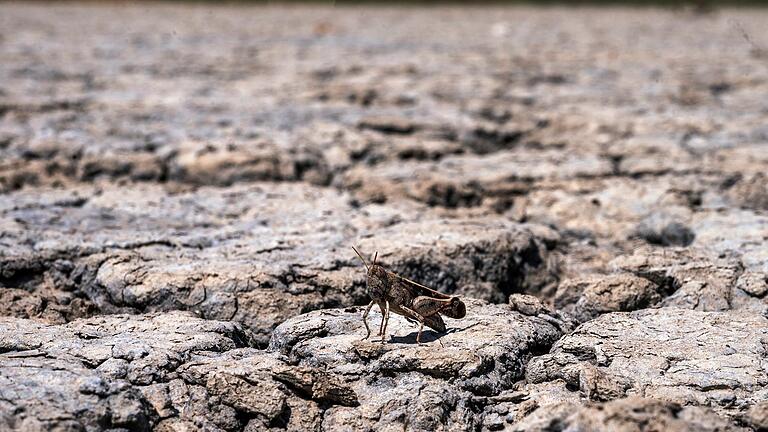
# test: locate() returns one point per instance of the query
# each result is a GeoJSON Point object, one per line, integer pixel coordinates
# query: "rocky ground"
{"type": "Point", "coordinates": [181, 185]}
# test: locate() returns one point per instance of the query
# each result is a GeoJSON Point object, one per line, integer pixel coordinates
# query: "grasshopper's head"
{"type": "Point", "coordinates": [377, 277]}
{"type": "Point", "coordinates": [456, 309]}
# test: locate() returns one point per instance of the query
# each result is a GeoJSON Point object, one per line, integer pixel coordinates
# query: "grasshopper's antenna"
{"type": "Point", "coordinates": [362, 259]}
{"type": "Point", "coordinates": [376, 255]}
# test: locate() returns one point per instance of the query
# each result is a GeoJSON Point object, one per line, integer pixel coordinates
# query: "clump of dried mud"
{"type": "Point", "coordinates": [180, 186]}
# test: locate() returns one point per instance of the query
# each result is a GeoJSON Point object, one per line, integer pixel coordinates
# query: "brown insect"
{"type": "Point", "coordinates": [416, 302]}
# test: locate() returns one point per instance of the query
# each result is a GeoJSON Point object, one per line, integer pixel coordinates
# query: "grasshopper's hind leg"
{"type": "Point", "coordinates": [365, 320]}
{"type": "Point", "coordinates": [418, 317]}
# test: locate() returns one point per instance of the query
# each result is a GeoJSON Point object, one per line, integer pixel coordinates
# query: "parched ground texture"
{"type": "Point", "coordinates": [180, 185]}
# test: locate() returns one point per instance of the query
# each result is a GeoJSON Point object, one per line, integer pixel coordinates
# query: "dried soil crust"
{"type": "Point", "coordinates": [630, 414]}
{"type": "Point", "coordinates": [439, 385]}
{"type": "Point", "coordinates": [223, 159]}
{"type": "Point", "coordinates": [100, 373]}
{"type": "Point", "coordinates": [173, 370]}
{"type": "Point", "coordinates": [713, 359]}
{"type": "Point", "coordinates": [256, 254]}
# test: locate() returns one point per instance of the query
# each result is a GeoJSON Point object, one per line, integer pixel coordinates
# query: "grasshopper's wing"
{"type": "Point", "coordinates": [421, 290]}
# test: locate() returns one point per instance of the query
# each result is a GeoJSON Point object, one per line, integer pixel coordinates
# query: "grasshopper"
{"type": "Point", "coordinates": [416, 302]}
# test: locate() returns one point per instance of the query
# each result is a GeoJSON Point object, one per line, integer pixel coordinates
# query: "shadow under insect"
{"type": "Point", "coordinates": [427, 336]}
{"type": "Point", "coordinates": [416, 302]}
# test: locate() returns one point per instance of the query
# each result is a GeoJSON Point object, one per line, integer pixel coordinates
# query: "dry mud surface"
{"type": "Point", "coordinates": [180, 186]}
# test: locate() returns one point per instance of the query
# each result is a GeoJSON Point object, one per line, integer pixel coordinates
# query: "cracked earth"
{"type": "Point", "coordinates": [181, 185]}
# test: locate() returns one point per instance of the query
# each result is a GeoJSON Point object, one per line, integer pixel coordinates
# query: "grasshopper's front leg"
{"type": "Point", "coordinates": [384, 321]}
{"type": "Point", "coordinates": [383, 317]}
{"type": "Point", "coordinates": [365, 320]}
